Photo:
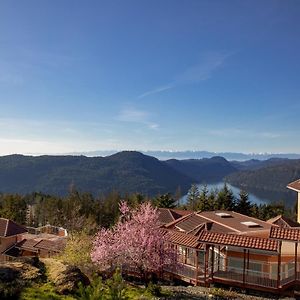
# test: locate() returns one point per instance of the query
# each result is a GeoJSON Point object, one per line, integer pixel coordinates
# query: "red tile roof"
{"type": "Point", "coordinates": [10, 228]}
{"type": "Point", "coordinates": [215, 221]}
{"type": "Point", "coordinates": [295, 185]}
{"type": "Point", "coordinates": [288, 234]}
{"type": "Point", "coordinates": [238, 241]}
{"type": "Point", "coordinates": [27, 244]}
{"type": "Point", "coordinates": [34, 245]}
{"type": "Point", "coordinates": [57, 245]}
{"type": "Point", "coordinates": [184, 239]}
{"type": "Point", "coordinates": [190, 223]}
{"type": "Point", "coordinates": [283, 221]}
{"type": "Point", "coordinates": [167, 215]}
{"type": "Point", "coordinates": [234, 223]}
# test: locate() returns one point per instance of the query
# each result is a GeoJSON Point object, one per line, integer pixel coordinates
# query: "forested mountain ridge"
{"type": "Point", "coordinates": [204, 170]}
{"type": "Point", "coordinates": [130, 171]}
{"type": "Point", "coordinates": [270, 176]}
{"type": "Point", "coordinates": [126, 172]}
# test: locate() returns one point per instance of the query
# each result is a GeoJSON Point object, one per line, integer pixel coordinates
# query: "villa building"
{"type": "Point", "coordinates": [236, 250]}
{"type": "Point", "coordinates": [19, 241]}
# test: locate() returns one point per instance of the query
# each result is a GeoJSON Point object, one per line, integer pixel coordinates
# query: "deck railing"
{"type": "Point", "coordinates": [183, 270]}
{"type": "Point", "coordinates": [248, 277]}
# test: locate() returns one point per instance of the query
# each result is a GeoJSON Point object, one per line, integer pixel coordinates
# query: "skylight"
{"type": "Point", "coordinates": [251, 224]}
{"type": "Point", "coordinates": [223, 215]}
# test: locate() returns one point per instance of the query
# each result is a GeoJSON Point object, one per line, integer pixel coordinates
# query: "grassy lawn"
{"type": "Point", "coordinates": [43, 292]}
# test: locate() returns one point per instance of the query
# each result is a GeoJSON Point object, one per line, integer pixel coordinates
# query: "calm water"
{"type": "Point", "coordinates": [258, 197]}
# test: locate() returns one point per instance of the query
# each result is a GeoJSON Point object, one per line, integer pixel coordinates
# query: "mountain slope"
{"type": "Point", "coordinates": [203, 170]}
{"type": "Point", "coordinates": [126, 172]}
{"type": "Point", "coordinates": [272, 176]}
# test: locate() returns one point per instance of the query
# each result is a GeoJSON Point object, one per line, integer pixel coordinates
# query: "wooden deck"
{"type": "Point", "coordinates": [249, 279]}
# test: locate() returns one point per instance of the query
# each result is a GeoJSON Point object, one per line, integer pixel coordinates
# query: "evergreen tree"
{"type": "Point", "coordinates": [193, 197]}
{"type": "Point", "coordinates": [203, 202]}
{"type": "Point", "coordinates": [165, 201]}
{"type": "Point", "coordinates": [14, 207]}
{"type": "Point", "coordinates": [225, 199]}
{"type": "Point", "coordinates": [178, 195]}
{"type": "Point", "coordinates": [254, 212]}
{"type": "Point", "coordinates": [212, 199]}
{"type": "Point", "coordinates": [243, 205]}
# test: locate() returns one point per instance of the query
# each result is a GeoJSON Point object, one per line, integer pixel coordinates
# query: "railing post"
{"type": "Point", "coordinates": [296, 259]}
{"type": "Point", "coordinates": [248, 259]}
{"type": "Point", "coordinates": [212, 261]}
{"type": "Point", "coordinates": [244, 267]}
{"type": "Point", "coordinates": [206, 262]}
{"type": "Point", "coordinates": [279, 264]}
{"type": "Point", "coordinates": [197, 265]}
{"type": "Point", "coordinates": [219, 254]}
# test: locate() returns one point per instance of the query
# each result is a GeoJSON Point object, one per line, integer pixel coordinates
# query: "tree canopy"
{"type": "Point", "coordinates": [134, 242]}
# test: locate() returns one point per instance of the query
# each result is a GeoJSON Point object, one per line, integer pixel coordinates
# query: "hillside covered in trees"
{"type": "Point", "coordinates": [131, 172]}
{"type": "Point", "coordinates": [272, 175]}
{"type": "Point", "coordinates": [127, 172]}
{"type": "Point", "coordinates": [204, 170]}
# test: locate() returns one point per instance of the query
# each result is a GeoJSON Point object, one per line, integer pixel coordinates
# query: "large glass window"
{"type": "Point", "coordinates": [235, 263]}
{"type": "Point", "coordinates": [190, 256]}
{"type": "Point", "coordinates": [255, 266]}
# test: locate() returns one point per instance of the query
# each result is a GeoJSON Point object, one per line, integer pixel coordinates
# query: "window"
{"type": "Point", "coordinates": [190, 256]}
{"type": "Point", "coordinates": [235, 263]}
{"type": "Point", "coordinates": [255, 266]}
{"type": "Point", "coordinates": [201, 255]}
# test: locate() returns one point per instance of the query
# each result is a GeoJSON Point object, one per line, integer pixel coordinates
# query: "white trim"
{"type": "Point", "coordinates": [298, 191]}
{"type": "Point", "coordinates": [5, 233]}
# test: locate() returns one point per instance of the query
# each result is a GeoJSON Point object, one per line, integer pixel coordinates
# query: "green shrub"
{"type": "Point", "coordinates": [116, 286]}
{"type": "Point", "coordinates": [154, 289]}
{"type": "Point", "coordinates": [94, 291]}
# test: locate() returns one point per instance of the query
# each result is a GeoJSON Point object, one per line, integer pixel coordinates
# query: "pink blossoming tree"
{"type": "Point", "coordinates": [136, 241]}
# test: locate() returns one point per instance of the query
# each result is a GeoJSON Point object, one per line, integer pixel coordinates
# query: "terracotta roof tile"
{"type": "Point", "coordinates": [184, 239]}
{"type": "Point", "coordinates": [51, 245]}
{"type": "Point", "coordinates": [167, 215]}
{"type": "Point", "coordinates": [295, 185]}
{"type": "Point", "coordinates": [283, 221]}
{"type": "Point", "coordinates": [289, 234]}
{"type": "Point", "coordinates": [27, 244]}
{"type": "Point", "coordinates": [238, 241]}
{"type": "Point", "coordinates": [190, 223]}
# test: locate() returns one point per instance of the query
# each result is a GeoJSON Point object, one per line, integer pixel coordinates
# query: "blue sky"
{"type": "Point", "coordinates": [149, 75]}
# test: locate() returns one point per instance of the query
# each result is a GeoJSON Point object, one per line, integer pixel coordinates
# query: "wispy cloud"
{"type": "Point", "coordinates": [200, 71]}
{"type": "Point", "coordinates": [204, 69]}
{"type": "Point", "coordinates": [134, 115]}
{"type": "Point", "coordinates": [156, 91]}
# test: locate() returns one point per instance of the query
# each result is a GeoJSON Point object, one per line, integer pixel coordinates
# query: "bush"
{"type": "Point", "coordinates": [116, 286]}
{"type": "Point", "coordinates": [154, 289]}
{"type": "Point", "coordinates": [95, 291]}
{"type": "Point", "coordinates": [113, 289]}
